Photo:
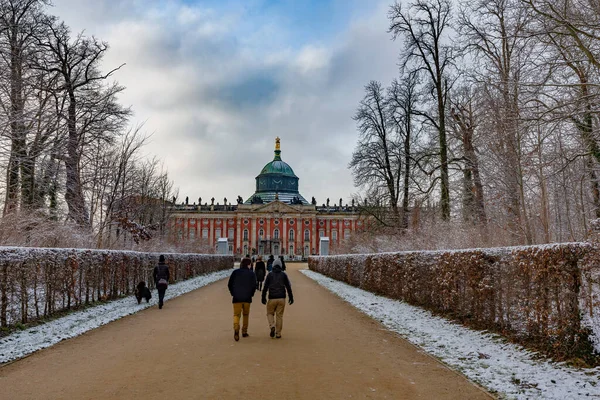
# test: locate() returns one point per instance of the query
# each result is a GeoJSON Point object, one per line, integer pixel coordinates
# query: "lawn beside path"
{"type": "Point", "coordinates": [186, 350]}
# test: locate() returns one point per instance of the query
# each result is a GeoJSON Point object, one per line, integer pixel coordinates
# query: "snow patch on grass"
{"type": "Point", "coordinates": [488, 359]}
{"type": "Point", "coordinates": [25, 342]}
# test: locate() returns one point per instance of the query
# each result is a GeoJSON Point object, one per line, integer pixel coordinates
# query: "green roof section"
{"type": "Point", "coordinates": [277, 166]}
{"type": "Point", "coordinates": [277, 178]}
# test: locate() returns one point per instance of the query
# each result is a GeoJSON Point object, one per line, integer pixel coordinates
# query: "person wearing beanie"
{"type": "Point", "coordinates": [260, 270]}
{"type": "Point", "coordinates": [270, 263]}
{"type": "Point", "coordinates": [282, 263]}
{"type": "Point", "coordinates": [276, 285]}
{"type": "Point", "coordinates": [242, 285]}
{"type": "Point", "coordinates": [161, 277]}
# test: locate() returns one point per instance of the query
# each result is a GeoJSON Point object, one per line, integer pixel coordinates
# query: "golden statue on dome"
{"type": "Point", "coordinates": [277, 145]}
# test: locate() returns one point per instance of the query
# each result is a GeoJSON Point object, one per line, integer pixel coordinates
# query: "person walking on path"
{"type": "Point", "coordinates": [260, 270]}
{"type": "Point", "coordinates": [276, 285]}
{"type": "Point", "coordinates": [242, 285]}
{"type": "Point", "coordinates": [282, 263]}
{"type": "Point", "coordinates": [270, 263]}
{"type": "Point", "coordinates": [161, 277]}
{"type": "Point", "coordinates": [251, 263]}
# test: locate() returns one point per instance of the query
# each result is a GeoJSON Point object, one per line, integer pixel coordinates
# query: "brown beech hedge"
{"type": "Point", "coordinates": [41, 282]}
{"type": "Point", "coordinates": [544, 297]}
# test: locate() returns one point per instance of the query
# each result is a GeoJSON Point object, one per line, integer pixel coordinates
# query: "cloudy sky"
{"type": "Point", "coordinates": [215, 81]}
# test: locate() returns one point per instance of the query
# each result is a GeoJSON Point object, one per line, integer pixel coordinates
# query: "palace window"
{"type": "Point", "coordinates": [275, 249]}
{"type": "Point", "coordinates": [218, 233]}
{"type": "Point", "coordinates": [306, 235]}
{"type": "Point", "coordinates": [276, 234]}
{"type": "Point", "coordinates": [205, 233]}
{"type": "Point", "coordinates": [291, 250]}
{"type": "Point", "coordinates": [230, 234]}
{"type": "Point", "coordinates": [291, 234]}
{"type": "Point", "coordinates": [347, 234]}
{"type": "Point", "coordinates": [306, 253]}
{"type": "Point", "coordinates": [245, 234]}
{"type": "Point", "coordinates": [245, 249]}
{"type": "Point", "coordinates": [321, 233]}
{"type": "Point", "coordinates": [261, 233]}
{"type": "Point", "coordinates": [333, 235]}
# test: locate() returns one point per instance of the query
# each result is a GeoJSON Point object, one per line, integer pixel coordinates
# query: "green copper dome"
{"type": "Point", "coordinates": [277, 181]}
{"type": "Point", "coordinates": [278, 167]}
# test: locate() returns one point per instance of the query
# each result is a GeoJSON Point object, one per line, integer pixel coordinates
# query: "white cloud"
{"type": "Point", "coordinates": [216, 91]}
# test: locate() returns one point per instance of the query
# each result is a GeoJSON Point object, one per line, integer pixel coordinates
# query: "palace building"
{"type": "Point", "coordinates": [276, 219]}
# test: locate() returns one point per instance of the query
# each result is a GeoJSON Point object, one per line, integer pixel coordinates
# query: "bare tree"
{"type": "Point", "coordinates": [494, 31]}
{"type": "Point", "coordinates": [579, 20]}
{"type": "Point", "coordinates": [20, 21]}
{"type": "Point", "coordinates": [91, 107]}
{"type": "Point", "coordinates": [402, 101]}
{"type": "Point", "coordinates": [376, 162]}
{"type": "Point", "coordinates": [424, 27]}
{"type": "Point", "coordinates": [464, 121]}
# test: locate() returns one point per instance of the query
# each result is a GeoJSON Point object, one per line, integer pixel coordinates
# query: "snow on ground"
{"type": "Point", "coordinates": [505, 368]}
{"type": "Point", "coordinates": [22, 343]}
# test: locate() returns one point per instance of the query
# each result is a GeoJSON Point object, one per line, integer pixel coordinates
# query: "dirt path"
{"type": "Point", "coordinates": [186, 351]}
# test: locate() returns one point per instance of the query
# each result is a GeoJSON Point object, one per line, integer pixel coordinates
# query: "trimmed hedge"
{"type": "Point", "coordinates": [41, 282]}
{"type": "Point", "coordinates": [536, 295]}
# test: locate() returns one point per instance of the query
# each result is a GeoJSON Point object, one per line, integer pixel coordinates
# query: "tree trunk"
{"type": "Point", "coordinates": [74, 192]}
{"type": "Point", "coordinates": [445, 179]}
{"type": "Point", "coordinates": [17, 128]}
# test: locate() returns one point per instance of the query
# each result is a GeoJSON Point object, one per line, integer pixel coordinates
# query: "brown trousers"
{"type": "Point", "coordinates": [238, 309]}
{"type": "Point", "coordinates": [275, 307]}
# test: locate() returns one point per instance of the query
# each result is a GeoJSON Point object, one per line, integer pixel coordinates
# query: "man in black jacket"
{"type": "Point", "coordinates": [242, 285]}
{"type": "Point", "coordinates": [276, 285]}
{"type": "Point", "coordinates": [161, 277]}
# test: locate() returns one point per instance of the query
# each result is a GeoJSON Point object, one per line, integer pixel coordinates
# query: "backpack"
{"type": "Point", "coordinates": [161, 274]}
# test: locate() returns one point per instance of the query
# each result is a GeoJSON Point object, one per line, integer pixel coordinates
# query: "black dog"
{"type": "Point", "coordinates": [142, 291]}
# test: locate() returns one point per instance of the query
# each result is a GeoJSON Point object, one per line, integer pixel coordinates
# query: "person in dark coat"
{"type": "Point", "coordinates": [161, 277]}
{"type": "Point", "coordinates": [270, 263]}
{"type": "Point", "coordinates": [282, 263]}
{"type": "Point", "coordinates": [251, 262]}
{"type": "Point", "coordinates": [260, 270]}
{"type": "Point", "coordinates": [242, 285]}
{"type": "Point", "coordinates": [276, 285]}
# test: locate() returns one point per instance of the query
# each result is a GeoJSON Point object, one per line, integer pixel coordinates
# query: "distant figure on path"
{"type": "Point", "coordinates": [161, 277]}
{"type": "Point", "coordinates": [282, 263]}
{"type": "Point", "coordinates": [270, 263]}
{"type": "Point", "coordinates": [242, 285]}
{"type": "Point", "coordinates": [276, 285]}
{"type": "Point", "coordinates": [251, 262]}
{"type": "Point", "coordinates": [260, 270]}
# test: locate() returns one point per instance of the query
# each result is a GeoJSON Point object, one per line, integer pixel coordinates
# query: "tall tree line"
{"type": "Point", "coordinates": [68, 152]}
{"type": "Point", "coordinates": [492, 123]}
